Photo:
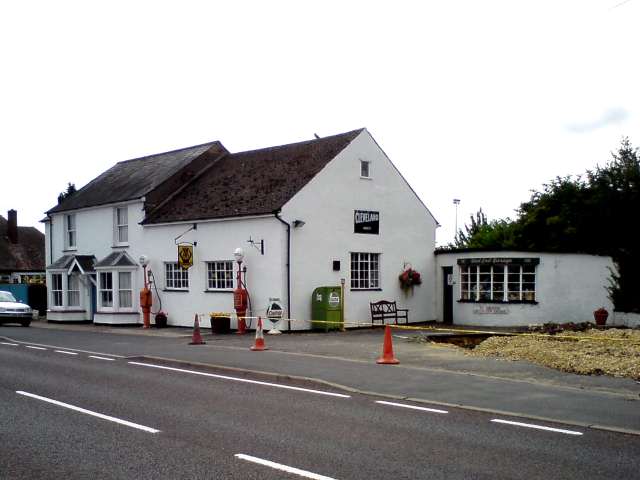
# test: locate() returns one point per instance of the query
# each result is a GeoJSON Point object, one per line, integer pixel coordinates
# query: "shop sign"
{"type": "Point", "coordinates": [498, 261]}
{"type": "Point", "coordinates": [365, 221]}
{"type": "Point", "coordinates": [185, 256]}
{"type": "Point", "coordinates": [490, 309]}
{"type": "Point", "coordinates": [274, 310]}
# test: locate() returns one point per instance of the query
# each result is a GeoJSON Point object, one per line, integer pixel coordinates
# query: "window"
{"type": "Point", "coordinates": [125, 291]}
{"type": "Point", "coordinates": [364, 169]}
{"type": "Point", "coordinates": [505, 282]}
{"type": "Point", "coordinates": [106, 289]}
{"type": "Point", "coordinates": [56, 289]}
{"type": "Point", "coordinates": [220, 275]}
{"type": "Point", "coordinates": [176, 277]}
{"type": "Point", "coordinates": [73, 291]}
{"type": "Point", "coordinates": [70, 230]}
{"type": "Point", "coordinates": [122, 225]}
{"type": "Point", "coordinates": [365, 270]}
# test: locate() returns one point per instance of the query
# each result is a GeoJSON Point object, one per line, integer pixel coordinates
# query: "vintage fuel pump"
{"type": "Point", "coordinates": [145, 294]}
{"type": "Point", "coordinates": [240, 294]}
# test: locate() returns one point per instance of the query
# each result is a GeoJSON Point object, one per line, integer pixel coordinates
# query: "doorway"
{"type": "Point", "coordinates": [447, 295]}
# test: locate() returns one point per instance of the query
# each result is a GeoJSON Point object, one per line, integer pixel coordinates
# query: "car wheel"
{"type": "Point", "coordinates": [25, 323]}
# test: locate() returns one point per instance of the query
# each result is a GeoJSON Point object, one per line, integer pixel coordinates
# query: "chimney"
{"type": "Point", "coordinates": [12, 226]}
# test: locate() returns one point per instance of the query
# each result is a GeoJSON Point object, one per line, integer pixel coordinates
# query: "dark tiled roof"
{"type": "Point", "coordinates": [133, 179]}
{"type": "Point", "coordinates": [86, 262]}
{"type": "Point", "coordinates": [25, 256]}
{"type": "Point", "coordinates": [116, 259]}
{"type": "Point", "coordinates": [252, 183]}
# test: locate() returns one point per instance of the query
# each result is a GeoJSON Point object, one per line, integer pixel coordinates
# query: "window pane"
{"type": "Point", "coordinates": [125, 294]}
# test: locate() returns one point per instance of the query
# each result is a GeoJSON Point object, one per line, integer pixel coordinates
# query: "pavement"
{"type": "Point", "coordinates": [435, 374]}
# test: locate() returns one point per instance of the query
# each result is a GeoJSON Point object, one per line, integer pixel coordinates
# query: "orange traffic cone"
{"type": "Point", "coordinates": [259, 345]}
{"type": "Point", "coordinates": [197, 338]}
{"type": "Point", "coordinates": [387, 357]}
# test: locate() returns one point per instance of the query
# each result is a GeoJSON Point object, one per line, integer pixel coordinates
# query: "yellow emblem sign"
{"type": "Point", "coordinates": [185, 256]}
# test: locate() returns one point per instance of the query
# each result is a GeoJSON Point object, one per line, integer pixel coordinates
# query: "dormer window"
{"type": "Point", "coordinates": [364, 169]}
{"type": "Point", "coordinates": [70, 230]}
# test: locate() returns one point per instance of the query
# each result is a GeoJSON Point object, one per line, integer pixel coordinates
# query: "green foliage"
{"type": "Point", "coordinates": [71, 189]}
{"type": "Point", "coordinates": [591, 214]}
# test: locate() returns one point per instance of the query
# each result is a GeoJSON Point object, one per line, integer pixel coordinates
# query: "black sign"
{"type": "Point", "coordinates": [498, 261]}
{"type": "Point", "coordinates": [366, 222]}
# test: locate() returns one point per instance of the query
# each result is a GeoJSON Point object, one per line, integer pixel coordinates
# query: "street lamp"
{"type": "Point", "coordinates": [456, 202]}
{"type": "Point", "coordinates": [240, 295]}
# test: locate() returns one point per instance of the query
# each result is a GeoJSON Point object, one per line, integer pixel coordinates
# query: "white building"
{"type": "Point", "coordinates": [514, 288]}
{"type": "Point", "coordinates": [316, 212]}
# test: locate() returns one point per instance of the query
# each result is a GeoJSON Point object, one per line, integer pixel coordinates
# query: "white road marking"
{"type": "Point", "coordinates": [413, 407]}
{"type": "Point", "coordinates": [284, 468]}
{"type": "Point", "coordinates": [102, 358]}
{"type": "Point", "coordinates": [35, 348]}
{"type": "Point", "coordinates": [255, 382]}
{"type": "Point", "coordinates": [66, 353]}
{"type": "Point", "coordinates": [10, 344]}
{"type": "Point", "coordinates": [538, 427]}
{"type": "Point", "coordinates": [89, 412]}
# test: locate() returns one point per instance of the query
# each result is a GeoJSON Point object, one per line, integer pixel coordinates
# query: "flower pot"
{"type": "Point", "coordinates": [600, 316]}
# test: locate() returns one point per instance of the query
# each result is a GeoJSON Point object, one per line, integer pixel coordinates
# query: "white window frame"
{"type": "Point", "coordinates": [121, 225]}
{"type": "Point", "coordinates": [365, 165]}
{"type": "Point", "coordinates": [70, 232]}
{"type": "Point", "coordinates": [213, 271]}
{"type": "Point", "coordinates": [106, 289]}
{"type": "Point", "coordinates": [476, 287]}
{"type": "Point", "coordinates": [125, 292]}
{"type": "Point", "coordinates": [116, 290]}
{"type": "Point", "coordinates": [57, 293]}
{"type": "Point", "coordinates": [367, 278]}
{"type": "Point", "coordinates": [77, 291]}
{"type": "Point", "coordinates": [177, 274]}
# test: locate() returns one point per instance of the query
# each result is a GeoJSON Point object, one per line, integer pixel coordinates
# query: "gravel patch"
{"type": "Point", "coordinates": [614, 352]}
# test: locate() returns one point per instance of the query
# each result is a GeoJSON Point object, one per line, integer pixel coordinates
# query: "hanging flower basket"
{"type": "Point", "coordinates": [409, 278]}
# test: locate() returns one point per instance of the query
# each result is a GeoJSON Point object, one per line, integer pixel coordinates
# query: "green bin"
{"type": "Point", "coordinates": [326, 309]}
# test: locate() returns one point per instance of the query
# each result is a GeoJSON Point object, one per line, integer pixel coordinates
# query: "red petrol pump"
{"type": "Point", "coordinates": [240, 294]}
{"type": "Point", "coordinates": [145, 295]}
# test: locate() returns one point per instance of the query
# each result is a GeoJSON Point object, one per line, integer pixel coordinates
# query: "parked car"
{"type": "Point", "coordinates": [12, 311]}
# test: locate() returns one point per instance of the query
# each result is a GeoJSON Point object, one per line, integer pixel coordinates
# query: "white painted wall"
{"type": "Point", "coordinates": [217, 240]}
{"type": "Point", "coordinates": [569, 287]}
{"type": "Point", "coordinates": [327, 204]}
{"type": "Point", "coordinates": [94, 236]}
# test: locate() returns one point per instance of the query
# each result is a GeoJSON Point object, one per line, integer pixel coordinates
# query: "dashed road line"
{"type": "Point", "coordinates": [9, 344]}
{"type": "Point", "coordinates": [89, 412]}
{"type": "Point", "coordinates": [284, 468]}
{"type": "Point", "coordinates": [102, 358]}
{"type": "Point", "coordinates": [412, 407]}
{"type": "Point", "coordinates": [66, 353]}
{"type": "Point", "coordinates": [35, 348]}
{"type": "Point", "coordinates": [244, 380]}
{"type": "Point", "coordinates": [537, 427]}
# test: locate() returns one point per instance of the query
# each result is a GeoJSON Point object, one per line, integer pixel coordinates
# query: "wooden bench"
{"type": "Point", "coordinates": [383, 309]}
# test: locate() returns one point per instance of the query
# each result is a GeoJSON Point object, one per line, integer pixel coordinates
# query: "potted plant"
{"type": "Point", "coordinates": [409, 278]}
{"type": "Point", "coordinates": [600, 316]}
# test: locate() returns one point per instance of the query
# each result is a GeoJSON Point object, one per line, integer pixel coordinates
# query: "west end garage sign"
{"type": "Point", "coordinates": [498, 261]}
{"type": "Point", "coordinates": [365, 221]}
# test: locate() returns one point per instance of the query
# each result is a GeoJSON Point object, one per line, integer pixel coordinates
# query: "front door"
{"type": "Point", "coordinates": [447, 295]}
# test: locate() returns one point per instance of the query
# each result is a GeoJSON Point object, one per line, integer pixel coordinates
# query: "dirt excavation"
{"type": "Point", "coordinates": [614, 352]}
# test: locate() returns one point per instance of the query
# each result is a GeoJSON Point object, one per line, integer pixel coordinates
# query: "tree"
{"type": "Point", "coordinates": [71, 189]}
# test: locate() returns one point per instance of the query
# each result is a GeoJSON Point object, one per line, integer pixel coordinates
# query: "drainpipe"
{"type": "Point", "coordinates": [50, 238]}
{"type": "Point", "coordinates": [277, 213]}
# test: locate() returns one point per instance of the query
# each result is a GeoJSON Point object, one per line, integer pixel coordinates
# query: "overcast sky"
{"type": "Point", "coordinates": [481, 101]}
